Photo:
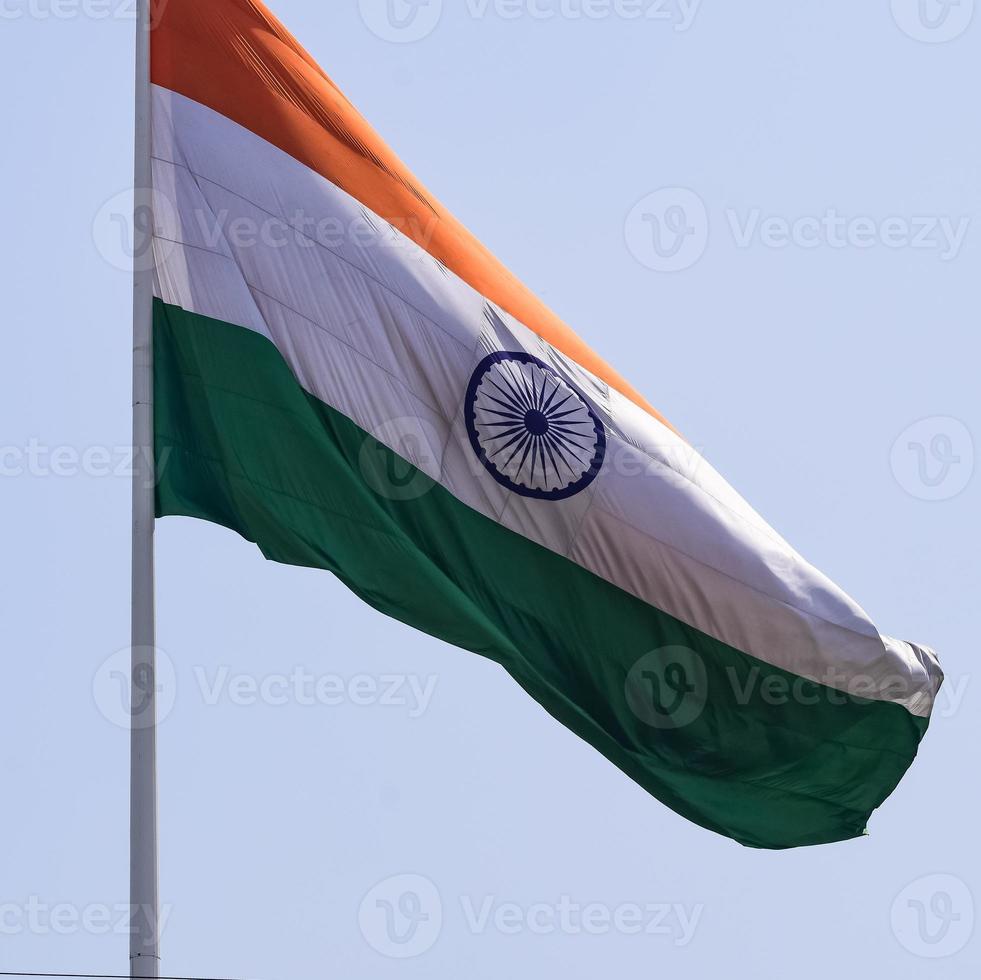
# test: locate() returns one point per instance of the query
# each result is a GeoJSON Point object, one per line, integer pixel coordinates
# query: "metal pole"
{"type": "Point", "coordinates": [144, 939]}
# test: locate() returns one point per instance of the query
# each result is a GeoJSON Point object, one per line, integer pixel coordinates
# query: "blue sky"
{"type": "Point", "coordinates": [765, 215]}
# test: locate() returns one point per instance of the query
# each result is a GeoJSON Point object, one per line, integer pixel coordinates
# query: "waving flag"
{"type": "Point", "coordinates": [346, 377]}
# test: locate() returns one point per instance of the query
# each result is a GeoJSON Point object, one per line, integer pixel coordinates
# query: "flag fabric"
{"type": "Point", "coordinates": [345, 376]}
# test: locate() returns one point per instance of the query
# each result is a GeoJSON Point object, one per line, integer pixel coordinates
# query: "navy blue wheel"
{"type": "Point", "coordinates": [532, 429]}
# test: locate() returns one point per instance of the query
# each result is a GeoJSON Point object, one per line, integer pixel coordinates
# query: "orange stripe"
{"type": "Point", "coordinates": [234, 57]}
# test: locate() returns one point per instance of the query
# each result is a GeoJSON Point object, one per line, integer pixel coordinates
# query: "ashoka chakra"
{"type": "Point", "coordinates": [531, 428]}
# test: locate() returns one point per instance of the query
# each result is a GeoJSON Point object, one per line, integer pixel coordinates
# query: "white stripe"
{"type": "Point", "coordinates": [375, 327]}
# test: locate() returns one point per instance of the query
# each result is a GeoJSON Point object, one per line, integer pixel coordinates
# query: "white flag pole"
{"type": "Point", "coordinates": [144, 939]}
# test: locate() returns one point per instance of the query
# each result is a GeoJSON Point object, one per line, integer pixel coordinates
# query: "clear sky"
{"type": "Point", "coordinates": [822, 300]}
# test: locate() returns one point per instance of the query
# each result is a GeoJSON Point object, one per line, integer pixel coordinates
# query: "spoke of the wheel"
{"type": "Point", "coordinates": [573, 432]}
{"type": "Point", "coordinates": [523, 434]}
{"type": "Point", "coordinates": [512, 394]}
{"type": "Point", "coordinates": [555, 445]}
{"type": "Point", "coordinates": [514, 402]}
{"type": "Point", "coordinates": [504, 415]}
{"type": "Point", "coordinates": [518, 389]}
{"type": "Point", "coordinates": [503, 435]}
{"type": "Point", "coordinates": [534, 392]}
{"type": "Point", "coordinates": [525, 439]}
{"type": "Point", "coordinates": [562, 415]}
{"type": "Point", "coordinates": [503, 425]}
{"type": "Point", "coordinates": [567, 398]}
{"type": "Point", "coordinates": [518, 414]}
{"type": "Point", "coordinates": [573, 447]}
{"type": "Point", "coordinates": [551, 397]}
{"type": "Point", "coordinates": [548, 449]}
{"type": "Point", "coordinates": [570, 444]}
{"type": "Point", "coordinates": [524, 457]}
{"type": "Point", "coordinates": [539, 397]}
{"type": "Point", "coordinates": [523, 381]}
{"type": "Point", "coordinates": [540, 446]}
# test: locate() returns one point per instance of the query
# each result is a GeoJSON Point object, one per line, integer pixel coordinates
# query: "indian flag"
{"type": "Point", "coordinates": [345, 376]}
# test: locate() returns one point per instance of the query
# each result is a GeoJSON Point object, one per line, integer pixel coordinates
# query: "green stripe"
{"type": "Point", "coordinates": [242, 445]}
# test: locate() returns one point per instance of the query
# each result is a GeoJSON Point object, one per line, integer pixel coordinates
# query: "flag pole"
{"type": "Point", "coordinates": [144, 953]}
